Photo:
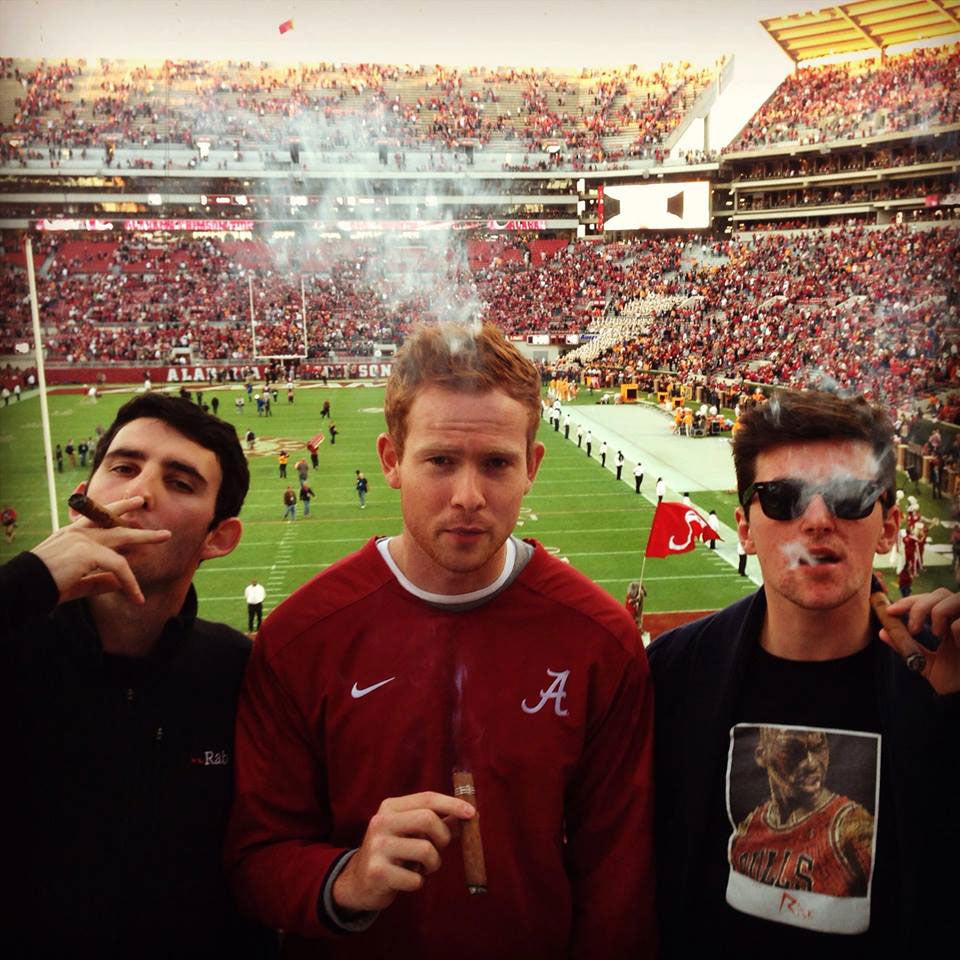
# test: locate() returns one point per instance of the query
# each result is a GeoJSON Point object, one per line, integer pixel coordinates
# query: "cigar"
{"type": "Point", "coordinates": [474, 868]}
{"type": "Point", "coordinates": [92, 510]}
{"type": "Point", "coordinates": [906, 645]}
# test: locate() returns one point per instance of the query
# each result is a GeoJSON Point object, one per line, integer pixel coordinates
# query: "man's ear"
{"type": "Point", "coordinates": [389, 459]}
{"type": "Point", "coordinates": [889, 531]}
{"type": "Point", "coordinates": [222, 538]}
{"type": "Point", "coordinates": [534, 459]}
{"type": "Point", "coordinates": [743, 531]}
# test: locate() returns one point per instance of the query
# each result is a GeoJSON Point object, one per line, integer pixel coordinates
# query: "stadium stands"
{"type": "Point", "coordinates": [135, 113]}
{"type": "Point", "coordinates": [866, 149]}
{"type": "Point", "coordinates": [156, 116]}
{"type": "Point", "coordinates": [859, 100]}
{"type": "Point", "coordinates": [872, 309]}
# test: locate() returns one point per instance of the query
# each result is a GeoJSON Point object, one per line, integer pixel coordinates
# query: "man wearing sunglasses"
{"type": "Point", "coordinates": [816, 485]}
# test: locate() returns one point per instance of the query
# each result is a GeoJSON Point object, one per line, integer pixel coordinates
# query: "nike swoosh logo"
{"type": "Point", "coordinates": [358, 692]}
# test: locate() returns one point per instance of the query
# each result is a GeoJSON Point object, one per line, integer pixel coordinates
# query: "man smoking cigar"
{"type": "Point", "coordinates": [118, 704]}
{"type": "Point", "coordinates": [451, 644]}
{"type": "Point", "coordinates": [799, 748]}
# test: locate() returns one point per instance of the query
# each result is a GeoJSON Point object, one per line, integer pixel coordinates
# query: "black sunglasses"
{"type": "Point", "coordinates": [788, 499]}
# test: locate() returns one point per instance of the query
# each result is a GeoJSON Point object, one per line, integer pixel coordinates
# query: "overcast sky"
{"type": "Point", "coordinates": [559, 33]}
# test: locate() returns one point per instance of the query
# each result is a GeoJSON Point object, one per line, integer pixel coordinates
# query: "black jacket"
{"type": "Point", "coordinates": [119, 782]}
{"type": "Point", "coordinates": [697, 671]}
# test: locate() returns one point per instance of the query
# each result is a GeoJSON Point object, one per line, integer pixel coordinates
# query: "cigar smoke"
{"type": "Point", "coordinates": [773, 409]}
{"type": "Point", "coordinates": [797, 555]}
{"type": "Point", "coordinates": [821, 380]}
{"type": "Point", "coordinates": [459, 675]}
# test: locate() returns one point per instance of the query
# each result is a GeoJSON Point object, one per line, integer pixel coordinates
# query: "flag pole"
{"type": "Point", "coordinates": [643, 565]}
{"type": "Point", "coordinates": [42, 384]}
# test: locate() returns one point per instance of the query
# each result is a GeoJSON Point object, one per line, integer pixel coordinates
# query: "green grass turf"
{"type": "Point", "coordinates": [576, 508]}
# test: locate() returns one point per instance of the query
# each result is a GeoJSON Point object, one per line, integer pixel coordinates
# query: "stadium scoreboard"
{"type": "Point", "coordinates": [628, 207]}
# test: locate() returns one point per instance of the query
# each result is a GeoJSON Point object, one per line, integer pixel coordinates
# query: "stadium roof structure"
{"type": "Point", "coordinates": [862, 26]}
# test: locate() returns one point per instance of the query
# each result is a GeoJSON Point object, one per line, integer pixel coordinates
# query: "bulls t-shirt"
{"type": "Point", "coordinates": [796, 833]}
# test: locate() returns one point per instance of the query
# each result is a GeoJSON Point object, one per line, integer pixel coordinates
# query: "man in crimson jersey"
{"type": "Point", "coordinates": [453, 645]}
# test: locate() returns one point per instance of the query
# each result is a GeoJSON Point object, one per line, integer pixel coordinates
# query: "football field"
{"type": "Point", "coordinates": [576, 509]}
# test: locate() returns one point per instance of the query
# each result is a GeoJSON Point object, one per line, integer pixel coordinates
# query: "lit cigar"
{"type": "Point", "coordinates": [906, 645]}
{"type": "Point", "coordinates": [92, 510]}
{"type": "Point", "coordinates": [470, 840]}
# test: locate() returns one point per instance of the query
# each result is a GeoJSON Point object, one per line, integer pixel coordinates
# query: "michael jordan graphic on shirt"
{"type": "Point", "coordinates": [802, 803]}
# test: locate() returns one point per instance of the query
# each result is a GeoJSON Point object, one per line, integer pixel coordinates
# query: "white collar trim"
{"type": "Point", "coordinates": [450, 598]}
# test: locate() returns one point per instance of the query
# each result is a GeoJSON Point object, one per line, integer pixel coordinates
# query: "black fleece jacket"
{"type": "Point", "coordinates": [119, 780]}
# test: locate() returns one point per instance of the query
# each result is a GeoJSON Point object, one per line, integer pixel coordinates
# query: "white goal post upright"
{"type": "Point", "coordinates": [42, 384]}
{"type": "Point", "coordinates": [253, 322]}
{"type": "Point", "coordinates": [303, 317]}
{"type": "Point", "coordinates": [303, 328]}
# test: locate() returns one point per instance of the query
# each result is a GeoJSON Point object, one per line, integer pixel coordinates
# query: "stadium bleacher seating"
{"type": "Point", "coordinates": [858, 100]}
{"type": "Point", "coordinates": [868, 308]}
{"type": "Point", "coordinates": [334, 113]}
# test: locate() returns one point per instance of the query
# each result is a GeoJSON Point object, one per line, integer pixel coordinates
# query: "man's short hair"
{"type": "Point", "coordinates": [459, 357]}
{"type": "Point", "coordinates": [202, 428]}
{"type": "Point", "coordinates": [792, 416]}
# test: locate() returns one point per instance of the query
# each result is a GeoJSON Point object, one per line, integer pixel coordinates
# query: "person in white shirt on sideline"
{"type": "Point", "coordinates": [254, 594]}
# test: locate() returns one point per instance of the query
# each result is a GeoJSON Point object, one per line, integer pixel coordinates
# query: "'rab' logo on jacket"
{"type": "Point", "coordinates": [212, 758]}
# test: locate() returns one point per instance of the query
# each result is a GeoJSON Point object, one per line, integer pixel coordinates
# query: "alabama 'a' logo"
{"type": "Point", "coordinates": [555, 692]}
{"type": "Point", "coordinates": [692, 519]}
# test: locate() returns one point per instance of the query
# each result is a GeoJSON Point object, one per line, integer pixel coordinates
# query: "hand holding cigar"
{"type": "Point", "coordinates": [933, 626]}
{"type": "Point", "coordinates": [916, 657]}
{"type": "Point", "coordinates": [87, 560]}
{"type": "Point", "coordinates": [919, 654]}
{"type": "Point", "coordinates": [400, 849]}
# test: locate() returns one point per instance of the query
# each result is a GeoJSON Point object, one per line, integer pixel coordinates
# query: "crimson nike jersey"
{"type": "Point", "coordinates": [358, 691]}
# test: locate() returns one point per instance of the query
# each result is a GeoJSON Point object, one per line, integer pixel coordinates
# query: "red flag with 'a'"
{"type": "Point", "coordinates": [676, 529]}
{"type": "Point", "coordinates": [286, 25]}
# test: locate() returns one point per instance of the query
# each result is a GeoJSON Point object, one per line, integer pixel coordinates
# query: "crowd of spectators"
{"type": "Point", "coordinates": [871, 309]}
{"type": "Point", "coordinates": [597, 116]}
{"type": "Point", "coordinates": [586, 119]}
{"type": "Point", "coordinates": [859, 99]}
{"type": "Point", "coordinates": [859, 159]}
{"type": "Point", "coordinates": [843, 193]}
